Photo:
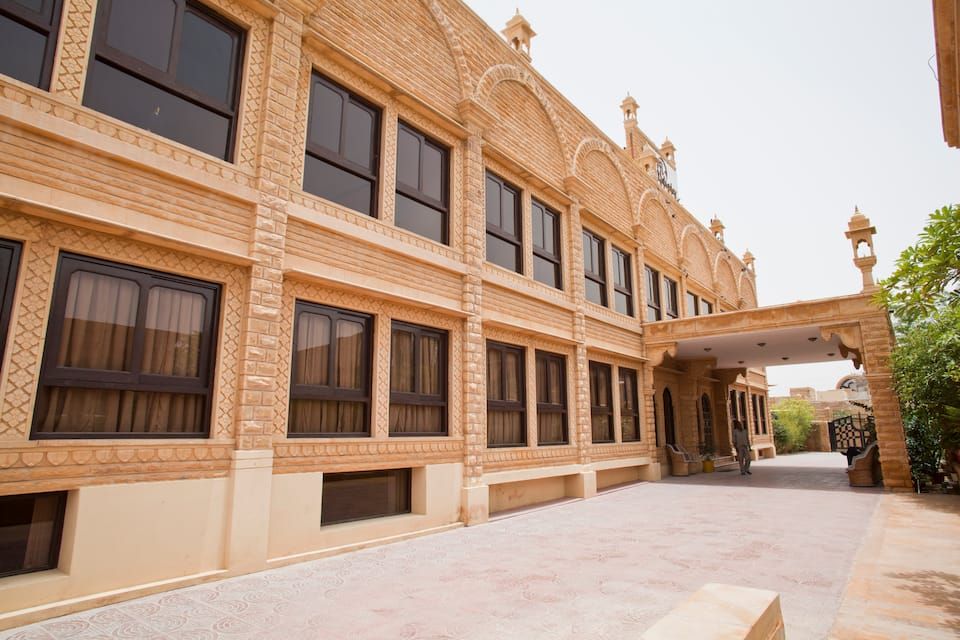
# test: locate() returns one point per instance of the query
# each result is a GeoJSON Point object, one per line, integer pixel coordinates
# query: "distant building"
{"type": "Point", "coordinates": [851, 396]}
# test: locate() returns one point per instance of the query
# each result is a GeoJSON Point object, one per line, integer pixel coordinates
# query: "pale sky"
{"type": "Point", "coordinates": [784, 114]}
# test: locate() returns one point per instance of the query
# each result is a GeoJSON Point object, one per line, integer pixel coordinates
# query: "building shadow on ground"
{"type": "Point", "coordinates": [779, 477]}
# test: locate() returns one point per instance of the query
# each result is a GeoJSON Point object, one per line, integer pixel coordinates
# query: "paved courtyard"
{"type": "Point", "coordinates": [608, 567]}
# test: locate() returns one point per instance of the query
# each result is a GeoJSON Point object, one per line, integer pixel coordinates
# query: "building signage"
{"type": "Point", "coordinates": [667, 176]}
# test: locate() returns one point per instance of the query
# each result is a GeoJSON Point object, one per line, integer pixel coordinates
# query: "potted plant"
{"type": "Point", "coordinates": [707, 456]}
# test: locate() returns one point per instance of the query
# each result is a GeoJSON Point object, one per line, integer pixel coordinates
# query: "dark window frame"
{"type": "Point", "coordinates": [338, 160]}
{"type": "Point", "coordinates": [555, 257]}
{"type": "Point", "coordinates": [742, 408]}
{"type": "Point", "coordinates": [547, 407]}
{"type": "Point", "coordinates": [330, 392]}
{"type": "Point", "coordinates": [419, 398]}
{"type": "Point", "coordinates": [653, 294]}
{"type": "Point", "coordinates": [706, 307]}
{"type": "Point", "coordinates": [669, 417]}
{"type": "Point", "coordinates": [625, 289]}
{"type": "Point", "coordinates": [598, 409]}
{"type": "Point", "coordinates": [755, 405]}
{"type": "Point", "coordinates": [40, 23]}
{"type": "Point", "coordinates": [441, 206]}
{"type": "Point", "coordinates": [509, 405]}
{"type": "Point", "coordinates": [635, 414]}
{"type": "Point", "coordinates": [672, 291]}
{"type": "Point", "coordinates": [514, 239]}
{"type": "Point", "coordinates": [167, 80]}
{"type": "Point", "coordinates": [134, 380]}
{"type": "Point", "coordinates": [9, 288]}
{"type": "Point", "coordinates": [600, 279]}
{"type": "Point", "coordinates": [56, 536]}
{"type": "Point", "coordinates": [407, 507]}
{"type": "Point", "coordinates": [763, 413]}
{"type": "Point", "coordinates": [691, 296]}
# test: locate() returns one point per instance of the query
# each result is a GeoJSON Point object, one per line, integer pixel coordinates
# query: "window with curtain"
{"type": "Point", "coordinates": [653, 294]}
{"type": "Point", "coordinates": [169, 66]}
{"type": "Point", "coordinates": [28, 39]}
{"type": "Point", "coordinates": [504, 231]}
{"type": "Point", "coordinates": [129, 353]}
{"type": "Point", "coordinates": [30, 532]}
{"type": "Point", "coordinates": [601, 403]}
{"type": "Point", "coordinates": [418, 380]}
{"type": "Point", "coordinates": [693, 305]}
{"type": "Point", "coordinates": [9, 266]}
{"type": "Point", "coordinates": [622, 282]}
{"type": "Point", "coordinates": [361, 495]}
{"type": "Point", "coordinates": [594, 269]}
{"type": "Point", "coordinates": [422, 184]}
{"type": "Point", "coordinates": [763, 413]}
{"type": "Point", "coordinates": [670, 299]}
{"type": "Point", "coordinates": [546, 245]}
{"type": "Point", "coordinates": [342, 162]}
{"type": "Point", "coordinates": [330, 378]}
{"type": "Point", "coordinates": [629, 405]}
{"type": "Point", "coordinates": [551, 399]}
{"type": "Point", "coordinates": [506, 408]}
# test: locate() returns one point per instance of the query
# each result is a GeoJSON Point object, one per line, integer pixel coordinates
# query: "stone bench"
{"type": "Point", "coordinates": [723, 612]}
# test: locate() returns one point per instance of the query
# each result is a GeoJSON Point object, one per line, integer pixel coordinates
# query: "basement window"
{"type": "Point", "coordinates": [30, 531]}
{"type": "Point", "coordinates": [365, 494]}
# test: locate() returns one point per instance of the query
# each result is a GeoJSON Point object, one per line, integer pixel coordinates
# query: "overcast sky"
{"type": "Point", "coordinates": [784, 114]}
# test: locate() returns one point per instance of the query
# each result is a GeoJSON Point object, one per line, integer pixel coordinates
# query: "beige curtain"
{"type": "Point", "coordinates": [401, 362]}
{"type": "Point", "coordinates": [550, 427]}
{"type": "Point", "coordinates": [40, 536]}
{"type": "Point", "coordinates": [504, 427]}
{"type": "Point", "coordinates": [494, 375]}
{"type": "Point", "coordinates": [429, 369]}
{"type": "Point", "coordinates": [628, 407]}
{"type": "Point", "coordinates": [349, 354]}
{"type": "Point", "coordinates": [409, 418]}
{"type": "Point", "coordinates": [99, 323]}
{"type": "Point", "coordinates": [313, 350]}
{"type": "Point", "coordinates": [326, 416]}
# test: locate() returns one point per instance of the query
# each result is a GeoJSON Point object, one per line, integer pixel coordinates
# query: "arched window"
{"type": "Point", "coordinates": [707, 422]}
{"type": "Point", "coordinates": [669, 428]}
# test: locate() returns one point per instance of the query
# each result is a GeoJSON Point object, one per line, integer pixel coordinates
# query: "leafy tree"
{"type": "Point", "coordinates": [927, 275]}
{"type": "Point", "coordinates": [792, 421]}
{"type": "Point", "coordinates": [924, 295]}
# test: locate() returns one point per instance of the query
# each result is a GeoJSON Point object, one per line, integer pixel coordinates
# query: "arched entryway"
{"type": "Point", "coordinates": [669, 426]}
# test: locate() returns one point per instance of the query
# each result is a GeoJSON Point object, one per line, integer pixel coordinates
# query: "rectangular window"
{"type": "Point", "coordinates": [551, 399]}
{"type": "Point", "coordinates": [342, 160]}
{"type": "Point", "coordinates": [170, 67]}
{"type": "Point", "coordinates": [30, 531]}
{"type": "Point", "coordinates": [756, 413]}
{"type": "Point", "coordinates": [546, 245]}
{"type": "Point", "coordinates": [9, 266]}
{"type": "Point", "coordinates": [706, 308]}
{"type": "Point", "coordinates": [129, 353]}
{"type": "Point", "coordinates": [653, 294]}
{"type": "Point", "coordinates": [670, 298]}
{"type": "Point", "coordinates": [506, 408]}
{"type": "Point", "coordinates": [28, 39]}
{"type": "Point", "coordinates": [418, 381]}
{"type": "Point", "coordinates": [504, 231]}
{"type": "Point", "coordinates": [622, 282]}
{"type": "Point", "coordinates": [693, 305]}
{"type": "Point", "coordinates": [763, 413]}
{"type": "Point", "coordinates": [363, 495]}
{"type": "Point", "coordinates": [601, 403]}
{"type": "Point", "coordinates": [330, 381]}
{"type": "Point", "coordinates": [594, 269]}
{"type": "Point", "coordinates": [629, 412]}
{"type": "Point", "coordinates": [422, 184]}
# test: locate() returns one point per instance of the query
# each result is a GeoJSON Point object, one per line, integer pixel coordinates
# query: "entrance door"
{"type": "Point", "coordinates": [669, 428]}
{"type": "Point", "coordinates": [707, 423]}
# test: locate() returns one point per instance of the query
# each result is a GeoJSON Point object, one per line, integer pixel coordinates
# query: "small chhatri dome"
{"type": "Point", "coordinates": [629, 108]}
{"type": "Point", "coordinates": [519, 33]}
{"type": "Point", "coordinates": [748, 259]}
{"type": "Point", "coordinates": [716, 228]}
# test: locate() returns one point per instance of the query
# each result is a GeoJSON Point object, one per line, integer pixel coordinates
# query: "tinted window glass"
{"type": "Point", "coordinates": [503, 253]}
{"type": "Point", "coordinates": [33, 5]}
{"type": "Point", "coordinates": [21, 51]}
{"type": "Point", "coordinates": [335, 184]}
{"type": "Point", "coordinates": [434, 168]}
{"type": "Point", "coordinates": [408, 158]}
{"type": "Point", "coordinates": [30, 529]}
{"type": "Point", "coordinates": [127, 98]}
{"type": "Point", "coordinates": [419, 218]}
{"type": "Point", "coordinates": [326, 114]}
{"type": "Point", "coordinates": [594, 292]}
{"type": "Point", "coordinates": [622, 303]}
{"type": "Point", "coordinates": [358, 138]}
{"type": "Point", "coordinates": [546, 271]}
{"type": "Point", "coordinates": [209, 50]}
{"type": "Point", "coordinates": [366, 494]}
{"type": "Point", "coordinates": [143, 30]}
{"type": "Point", "coordinates": [493, 202]}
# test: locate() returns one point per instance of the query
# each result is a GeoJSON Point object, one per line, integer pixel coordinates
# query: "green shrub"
{"type": "Point", "coordinates": [792, 421]}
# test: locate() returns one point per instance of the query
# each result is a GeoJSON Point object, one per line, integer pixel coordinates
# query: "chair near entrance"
{"type": "Point", "coordinates": [864, 469]}
{"type": "Point", "coordinates": [682, 462]}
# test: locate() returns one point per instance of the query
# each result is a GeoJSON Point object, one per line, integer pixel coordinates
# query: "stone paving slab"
{"type": "Point", "coordinates": [608, 567]}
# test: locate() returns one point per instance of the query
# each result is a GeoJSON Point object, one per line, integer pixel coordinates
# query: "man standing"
{"type": "Point", "coordinates": [741, 442]}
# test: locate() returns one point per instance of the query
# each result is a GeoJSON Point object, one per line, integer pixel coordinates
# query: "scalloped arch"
{"type": "Point", "coordinates": [731, 276]}
{"type": "Point", "coordinates": [454, 44]}
{"type": "Point", "coordinates": [746, 285]}
{"type": "Point", "coordinates": [589, 145]}
{"type": "Point", "coordinates": [657, 221]}
{"type": "Point", "coordinates": [508, 72]}
{"type": "Point", "coordinates": [692, 231]}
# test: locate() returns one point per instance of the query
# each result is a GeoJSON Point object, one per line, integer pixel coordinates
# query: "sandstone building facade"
{"type": "Point", "coordinates": [271, 268]}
